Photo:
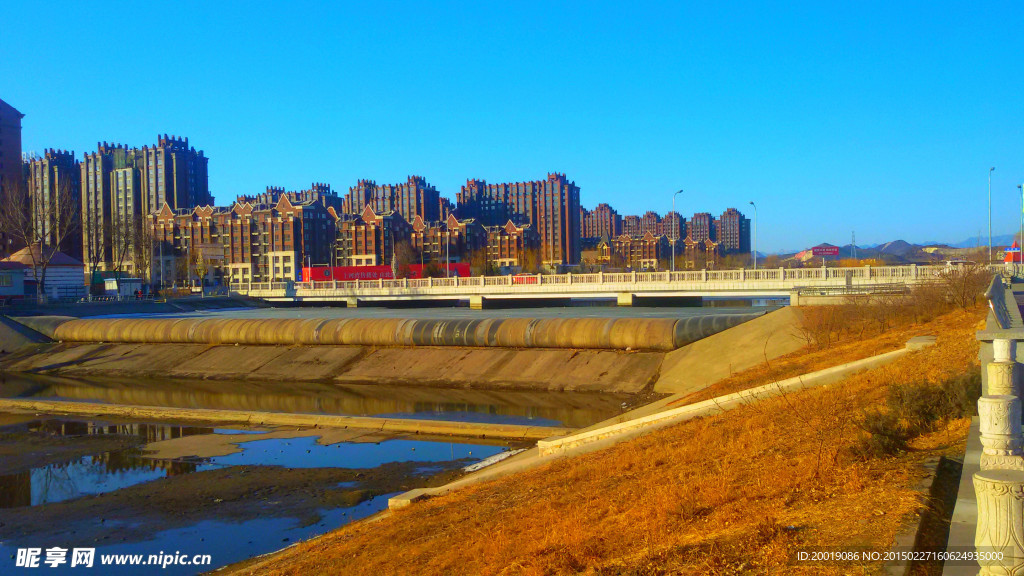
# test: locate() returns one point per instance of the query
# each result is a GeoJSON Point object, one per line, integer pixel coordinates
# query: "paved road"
{"type": "Point", "coordinates": [453, 313]}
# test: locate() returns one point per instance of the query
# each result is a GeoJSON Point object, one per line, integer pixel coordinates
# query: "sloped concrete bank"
{"type": "Point", "coordinates": [490, 368]}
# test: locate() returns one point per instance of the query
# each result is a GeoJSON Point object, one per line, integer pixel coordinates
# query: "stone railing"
{"type": "Point", "coordinates": [998, 482]}
{"type": "Point", "coordinates": [774, 279]}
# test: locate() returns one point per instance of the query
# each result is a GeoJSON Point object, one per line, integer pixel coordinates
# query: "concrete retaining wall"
{"type": "Point", "coordinates": [577, 333]}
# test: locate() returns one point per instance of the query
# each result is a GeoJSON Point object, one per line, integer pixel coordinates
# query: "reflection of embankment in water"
{"type": "Point", "coordinates": [540, 408]}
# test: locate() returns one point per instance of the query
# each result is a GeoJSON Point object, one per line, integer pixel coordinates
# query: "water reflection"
{"type": "Point", "coordinates": [538, 408]}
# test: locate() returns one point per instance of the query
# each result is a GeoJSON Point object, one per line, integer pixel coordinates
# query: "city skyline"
{"type": "Point", "coordinates": [843, 118]}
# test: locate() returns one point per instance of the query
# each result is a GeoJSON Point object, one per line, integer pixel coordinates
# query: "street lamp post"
{"type": "Point", "coordinates": [755, 235]}
{"type": "Point", "coordinates": [990, 214]}
{"type": "Point", "coordinates": [675, 228]}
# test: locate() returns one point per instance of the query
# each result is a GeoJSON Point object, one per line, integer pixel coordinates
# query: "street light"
{"type": "Point", "coordinates": [990, 214]}
{"type": "Point", "coordinates": [675, 228]}
{"type": "Point", "coordinates": [1021, 242]}
{"type": "Point", "coordinates": [755, 235]}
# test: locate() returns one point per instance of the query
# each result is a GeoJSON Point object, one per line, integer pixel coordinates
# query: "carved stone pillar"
{"type": "Point", "coordinates": [1004, 350]}
{"type": "Point", "coordinates": [1001, 379]}
{"type": "Point", "coordinates": [999, 418]}
{"type": "Point", "coordinates": [1000, 496]}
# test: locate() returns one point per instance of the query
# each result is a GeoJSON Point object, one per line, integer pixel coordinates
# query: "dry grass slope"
{"type": "Point", "coordinates": [734, 493]}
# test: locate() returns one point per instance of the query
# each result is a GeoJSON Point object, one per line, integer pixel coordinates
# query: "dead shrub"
{"type": "Point", "coordinates": [961, 395]}
{"type": "Point", "coordinates": [885, 435]}
{"type": "Point", "coordinates": [915, 408]}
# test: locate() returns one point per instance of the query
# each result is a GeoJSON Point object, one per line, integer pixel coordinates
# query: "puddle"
{"type": "Point", "coordinates": [307, 453]}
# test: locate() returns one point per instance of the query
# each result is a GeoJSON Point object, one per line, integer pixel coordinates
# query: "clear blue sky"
{"type": "Point", "coordinates": [879, 117]}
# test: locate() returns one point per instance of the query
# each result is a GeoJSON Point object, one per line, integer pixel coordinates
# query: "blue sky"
{"type": "Point", "coordinates": [878, 117]}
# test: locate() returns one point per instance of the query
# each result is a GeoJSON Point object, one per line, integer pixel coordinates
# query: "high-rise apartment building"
{"type": "Point", "coordinates": [414, 197]}
{"type": "Point", "coordinates": [10, 146]}
{"type": "Point", "coordinates": [602, 222]}
{"type": "Point", "coordinates": [734, 232]}
{"type": "Point", "coordinates": [54, 194]}
{"type": "Point", "coordinates": [122, 187]}
{"type": "Point", "coordinates": [551, 206]}
{"type": "Point", "coordinates": [174, 174]}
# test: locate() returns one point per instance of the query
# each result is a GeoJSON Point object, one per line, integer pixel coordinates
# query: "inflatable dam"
{"type": "Point", "coordinates": [656, 334]}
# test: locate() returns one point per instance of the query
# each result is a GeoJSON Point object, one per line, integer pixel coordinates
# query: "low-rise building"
{"type": "Point", "coordinates": [62, 276]}
{"type": "Point", "coordinates": [512, 248]}
{"type": "Point", "coordinates": [644, 252]}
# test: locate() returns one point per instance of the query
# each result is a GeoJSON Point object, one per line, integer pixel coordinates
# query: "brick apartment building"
{"type": "Point", "coordinates": [602, 222]}
{"type": "Point", "coordinates": [414, 197]}
{"type": "Point", "coordinates": [451, 240]}
{"type": "Point", "coordinates": [317, 192]}
{"type": "Point", "coordinates": [551, 207]}
{"type": "Point", "coordinates": [369, 239]}
{"type": "Point", "coordinates": [510, 248]}
{"type": "Point", "coordinates": [734, 232]}
{"type": "Point", "coordinates": [243, 243]}
{"type": "Point", "coordinates": [643, 252]}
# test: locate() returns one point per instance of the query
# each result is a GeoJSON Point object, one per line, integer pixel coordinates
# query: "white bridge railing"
{"type": "Point", "coordinates": [773, 279]}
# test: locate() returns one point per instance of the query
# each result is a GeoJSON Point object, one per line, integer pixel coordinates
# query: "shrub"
{"type": "Point", "coordinates": [961, 395]}
{"type": "Point", "coordinates": [918, 404]}
{"type": "Point", "coordinates": [915, 408]}
{"type": "Point", "coordinates": [885, 435]}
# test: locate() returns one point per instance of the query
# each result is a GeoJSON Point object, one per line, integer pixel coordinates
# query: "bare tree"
{"type": "Point", "coordinates": [122, 233]}
{"type": "Point", "coordinates": [401, 260]}
{"type": "Point", "coordinates": [530, 260]}
{"type": "Point", "coordinates": [200, 263]}
{"type": "Point", "coordinates": [142, 251]}
{"type": "Point", "coordinates": [43, 224]}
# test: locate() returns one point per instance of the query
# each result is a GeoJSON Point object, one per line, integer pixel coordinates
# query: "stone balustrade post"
{"type": "Point", "coordinates": [999, 538]}
{"type": "Point", "coordinates": [999, 418]}
{"type": "Point", "coordinates": [600, 276]}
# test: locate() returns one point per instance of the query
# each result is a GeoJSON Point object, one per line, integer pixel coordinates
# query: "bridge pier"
{"type": "Point", "coordinates": [477, 302]}
{"type": "Point", "coordinates": [352, 302]}
{"type": "Point", "coordinates": [624, 298]}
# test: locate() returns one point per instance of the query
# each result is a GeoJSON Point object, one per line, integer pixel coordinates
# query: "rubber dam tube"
{"type": "Point", "coordinates": [596, 333]}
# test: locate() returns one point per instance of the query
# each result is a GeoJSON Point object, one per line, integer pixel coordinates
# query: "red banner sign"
{"type": "Point", "coordinates": [825, 251]}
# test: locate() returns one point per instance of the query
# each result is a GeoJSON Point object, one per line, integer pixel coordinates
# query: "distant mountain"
{"type": "Point", "coordinates": [997, 240]}
{"type": "Point", "coordinates": [898, 248]}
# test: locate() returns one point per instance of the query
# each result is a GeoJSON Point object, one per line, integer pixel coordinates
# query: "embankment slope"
{"type": "Point", "coordinates": [704, 362]}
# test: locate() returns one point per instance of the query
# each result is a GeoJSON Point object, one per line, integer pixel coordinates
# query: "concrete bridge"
{"type": "Point", "coordinates": [797, 284]}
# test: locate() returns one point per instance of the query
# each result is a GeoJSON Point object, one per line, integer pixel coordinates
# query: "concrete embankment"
{"type": "Point", "coordinates": [513, 354]}
{"type": "Point", "coordinates": [484, 368]}
{"type": "Point", "coordinates": [252, 418]}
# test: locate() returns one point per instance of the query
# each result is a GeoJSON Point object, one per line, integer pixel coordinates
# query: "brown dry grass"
{"type": "Point", "coordinates": [732, 493]}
